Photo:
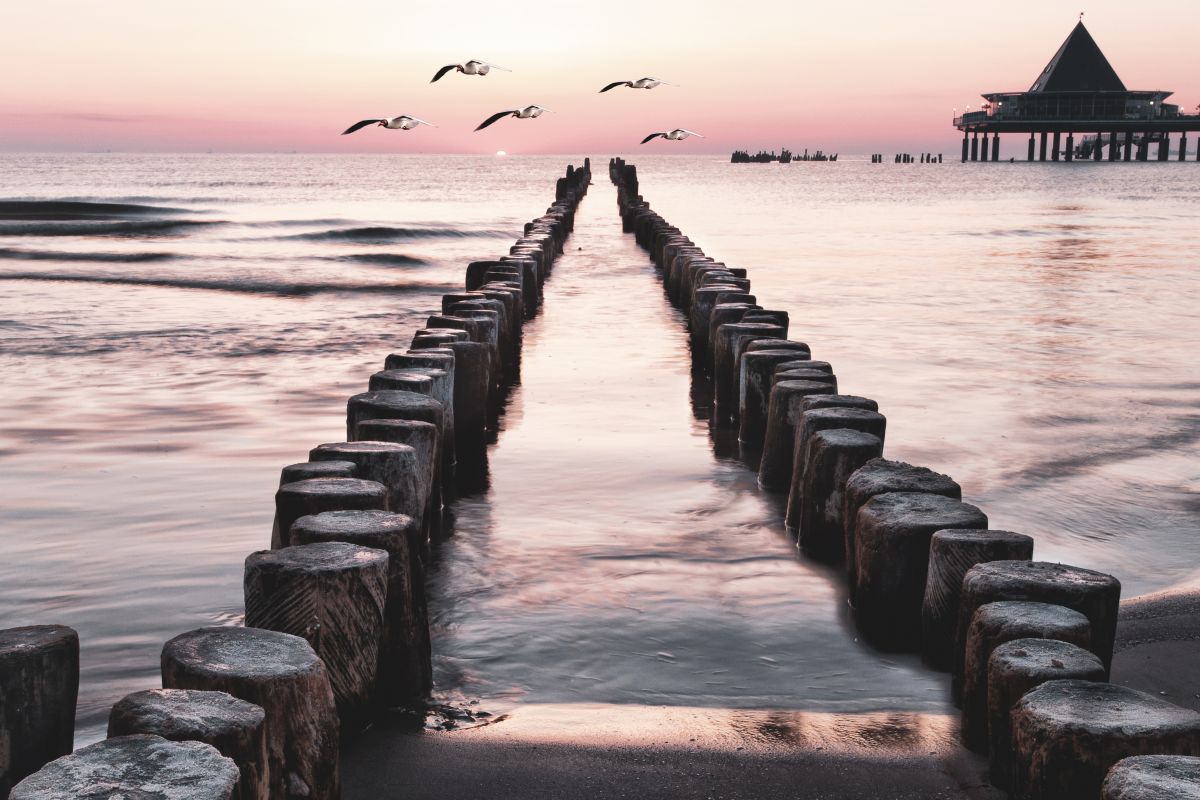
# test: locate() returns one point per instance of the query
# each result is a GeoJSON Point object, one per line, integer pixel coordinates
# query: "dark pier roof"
{"type": "Point", "coordinates": [1078, 66]}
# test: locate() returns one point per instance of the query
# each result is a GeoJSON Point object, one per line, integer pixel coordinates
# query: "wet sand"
{"type": "Point", "coordinates": [637, 751]}
{"type": "Point", "coordinates": [608, 751]}
{"type": "Point", "coordinates": [1158, 645]}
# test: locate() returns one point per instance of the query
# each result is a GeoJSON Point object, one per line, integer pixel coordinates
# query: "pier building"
{"type": "Point", "coordinates": [1078, 108]}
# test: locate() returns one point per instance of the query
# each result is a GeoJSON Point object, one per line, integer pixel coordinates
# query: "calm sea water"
{"type": "Point", "coordinates": [1029, 329]}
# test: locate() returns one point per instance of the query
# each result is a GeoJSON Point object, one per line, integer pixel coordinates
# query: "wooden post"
{"type": "Point", "coordinates": [1030, 157]}
{"type": "Point", "coordinates": [892, 556]}
{"type": "Point", "coordinates": [1042, 150]}
{"type": "Point", "coordinates": [1057, 146]}
{"type": "Point", "coordinates": [235, 727]}
{"type": "Point", "coordinates": [332, 594]}
{"type": "Point", "coordinates": [281, 674]}
{"type": "Point", "coordinates": [141, 766]}
{"type": "Point", "coordinates": [996, 146]}
{"type": "Point", "coordinates": [39, 685]}
{"type": "Point", "coordinates": [404, 671]}
{"type": "Point", "coordinates": [1070, 154]}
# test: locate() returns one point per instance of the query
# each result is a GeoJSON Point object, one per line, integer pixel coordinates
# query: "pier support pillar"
{"type": "Point", "coordinates": [1070, 147]}
{"type": "Point", "coordinates": [983, 148]}
{"type": "Point", "coordinates": [1128, 145]}
{"type": "Point", "coordinates": [1042, 148]}
{"type": "Point", "coordinates": [995, 147]}
{"type": "Point", "coordinates": [1057, 146]}
{"type": "Point", "coordinates": [1143, 148]}
{"type": "Point", "coordinates": [1183, 147]}
{"type": "Point", "coordinates": [966, 145]}
{"type": "Point", "coordinates": [1164, 146]}
{"type": "Point", "coordinates": [1097, 152]}
{"type": "Point", "coordinates": [975, 146]}
{"type": "Point", "coordinates": [1114, 147]}
{"type": "Point", "coordinates": [1031, 147]}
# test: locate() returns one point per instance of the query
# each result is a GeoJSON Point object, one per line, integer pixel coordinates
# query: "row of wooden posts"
{"type": "Point", "coordinates": [1029, 644]}
{"type": "Point", "coordinates": [908, 158]}
{"type": "Point", "coordinates": [336, 628]}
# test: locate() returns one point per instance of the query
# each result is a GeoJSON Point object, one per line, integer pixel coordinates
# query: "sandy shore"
{"type": "Point", "coordinates": [1158, 645]}
{"type": "Point", "coordinates": [608, 751]}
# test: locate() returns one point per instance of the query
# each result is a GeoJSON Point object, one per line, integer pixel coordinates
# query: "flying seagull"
{"type": "Point", "coordinates": [677, 134]}
{"type": "Point", "coordinates": [400, 123]}
{"type": "Point", "coordinates": [528, 112]}
{"type": "Point", "coordinates": [640, 83]}
{"type": "Point", "coordinates": [470, 68]}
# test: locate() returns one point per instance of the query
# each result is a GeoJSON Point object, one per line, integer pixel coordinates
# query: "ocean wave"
{"type": "Point", "coordinates": [382, 234]}
{"type": "Point", "coordinates": [239, 286]}
{"type": "Point", "coordinates": [380, 259]}
{"type": "Point", "coordinates": [99, 228]}
{"type": "Point", "coordinates": [76, 209]}
{"type": "Point", "coordinates": [55, 255]}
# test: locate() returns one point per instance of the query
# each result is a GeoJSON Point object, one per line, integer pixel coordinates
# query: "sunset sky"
{"type": "Point", "coordinates": [279, 75]}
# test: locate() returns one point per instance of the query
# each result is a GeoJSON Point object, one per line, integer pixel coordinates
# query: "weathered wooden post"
{"type": "Point", "coordinates": [1067, 734]}
{"type": "Point", "coordinates": [882, 476]}
{"type": "Point", "coordinates": [39, 685]}
{"type": "Point", "coordinates": [135, 767]}
{"type": "Point", "coordinates": [951, 554]}
{"type": "Point", "coordinates": [779, 441]}
{"type": "Point", "coordinates": [1000, 622]}
{"type": "Point", "coordinates": [281, 674]}
{"type": "Point", "coordinates": [831, 456]}
{"type": "Point", "coordinates": [404, 654]}
{"type": "Point", "coordinates": [1014, 668]}
{"type": "Point", "coordinates": [423, 438]}
{"type": "Point", "coordinates": [236, 728]}
{"type": "Point", "coordinates": [811, 421]}
{"type": "Point", "coordinates": [312, 496]}
{"type": "Point", "coordinates": [1095, 595]}
{"type": "Point", "coordinates": [892, 554]}
{"type": "Point", "coordinates": [305, 470]}
{"type": "Point", "coordinates": [1153, 778]}
{"type": "Point", "coordinates": [331, 594]}
{"type": "Point", "coordinates": [396, 466]}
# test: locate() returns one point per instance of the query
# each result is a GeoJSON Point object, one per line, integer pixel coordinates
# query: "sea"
{"type": "Point", "coordinates": [176, 328]}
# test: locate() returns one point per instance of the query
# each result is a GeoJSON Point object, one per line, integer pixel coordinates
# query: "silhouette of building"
{"type": "Point", "coordinates": [1078, 93]}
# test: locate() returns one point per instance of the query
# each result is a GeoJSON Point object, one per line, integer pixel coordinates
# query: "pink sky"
{"type": "Point", "coordinates": [276, 75]}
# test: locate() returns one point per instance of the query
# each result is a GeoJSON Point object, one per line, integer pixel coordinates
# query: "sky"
{"type": "Point", "coordinates": [290, 75]}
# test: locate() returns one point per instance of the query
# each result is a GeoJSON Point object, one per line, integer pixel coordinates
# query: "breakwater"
{"type": "Point", "coordinates": [336, 621]}
{"type": "Point", "coordinates": [924, 570]}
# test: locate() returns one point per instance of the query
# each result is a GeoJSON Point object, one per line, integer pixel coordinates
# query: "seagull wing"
{"type": "Point", "coordinates": [692, 133]}
{"type": "Point", "coordinates": [443, 71]}
{"type": "Point", "coordinates": [499, 115]}
{"type": "Point", "coordinates": [614, 85]}
{"type": "Point", "coordinates": [420, 121]}
{"type": "Point", "coordinates": [364, 123]}
{"type": "Point", "coordinates": [651, 136]}
{"type": "Point", "coordinates": [496, 66]}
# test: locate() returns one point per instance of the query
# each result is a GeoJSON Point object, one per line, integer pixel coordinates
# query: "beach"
{"type": "Point", "coordinates": [622, 576]}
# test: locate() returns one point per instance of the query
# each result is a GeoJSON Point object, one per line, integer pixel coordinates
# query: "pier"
{"type": "Point", "coordinates": [1078, 108]}
{"type": "Point", "coordinates": [344, 599]}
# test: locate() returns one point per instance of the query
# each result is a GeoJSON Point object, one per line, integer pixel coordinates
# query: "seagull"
{"type": "Point", "coordinates": [470, 68]}
{"type": "Point", "coordinates": [400, 123]}
{"type": "Point", "coordinates": [528, 112]}
{"type": "Point", "coordinates": [677, 134]}
{"type": "Point", "coordinates": [640, 83]}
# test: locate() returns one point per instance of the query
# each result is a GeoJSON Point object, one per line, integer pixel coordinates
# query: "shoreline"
{"type": "Point", "coordinates": [602, 750]}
